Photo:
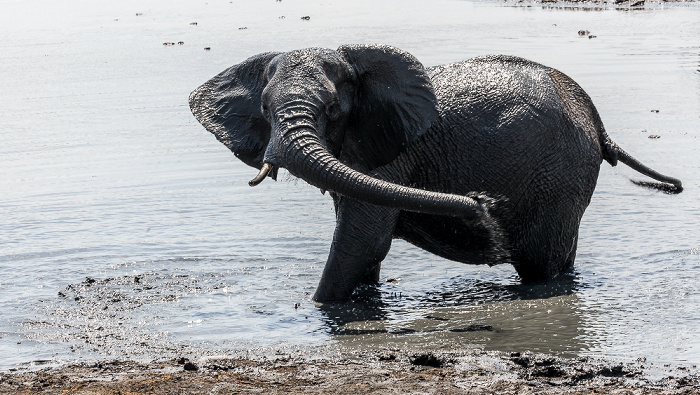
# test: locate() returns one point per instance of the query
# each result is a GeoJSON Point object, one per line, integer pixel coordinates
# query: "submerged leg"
{"type": "Point", "coordinates": [361, 241]}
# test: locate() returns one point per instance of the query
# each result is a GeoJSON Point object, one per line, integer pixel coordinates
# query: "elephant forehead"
{"type": "Point", "coordinates": [286, 88]}
{"type": "Point", "coordinates": [310, 61]}
{"type": "Point", "coordinates": [304, 59]}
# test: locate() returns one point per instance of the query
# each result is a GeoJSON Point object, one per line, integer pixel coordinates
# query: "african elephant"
{"type": "Point", "coordinates": [485, 161]}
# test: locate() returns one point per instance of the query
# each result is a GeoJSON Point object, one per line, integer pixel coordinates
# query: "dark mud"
{"type": "Point", "coordinates": [388, 371]}
{"type": "Point", "coordinates": [613, 3]}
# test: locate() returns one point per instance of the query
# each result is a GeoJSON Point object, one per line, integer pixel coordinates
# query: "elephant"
{"type": "Point", "coordinates": [485, 161]}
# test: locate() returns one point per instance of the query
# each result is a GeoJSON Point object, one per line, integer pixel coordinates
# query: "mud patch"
{"type": "Point", "coordinates": [428, 359]}
{"type": "Point", "coordinates": [111, 316]}
{"type": "Point", "coordinates": [474, 372]}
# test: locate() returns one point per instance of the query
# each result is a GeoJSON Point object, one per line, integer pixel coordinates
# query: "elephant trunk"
{"type": "Point", "coordinates": [305, 157]}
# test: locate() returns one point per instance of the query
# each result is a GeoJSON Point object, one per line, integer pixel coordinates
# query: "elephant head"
{"type": "Point", "coordinates": [330, 118]}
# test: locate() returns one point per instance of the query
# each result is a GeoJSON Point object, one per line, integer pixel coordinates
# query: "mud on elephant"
{"type": "Point", "coordinates": [485, 161]}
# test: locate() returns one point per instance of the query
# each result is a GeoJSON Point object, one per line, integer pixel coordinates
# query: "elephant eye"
{"type": "Point", "coordinates": [265, 111]}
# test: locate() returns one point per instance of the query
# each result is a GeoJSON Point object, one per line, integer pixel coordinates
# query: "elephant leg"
{"type": "Point", "coordinates": [550, 246]}
{"type": "Point", "coordinates": [373, 274]}
{"type": "Point", "coordinates": [572, 255]}
{"type": "Point", "coordinates": [361, 241]}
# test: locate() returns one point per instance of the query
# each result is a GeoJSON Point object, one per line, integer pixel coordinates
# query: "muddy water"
{"type": "Point", "coordinates": [129, 232]}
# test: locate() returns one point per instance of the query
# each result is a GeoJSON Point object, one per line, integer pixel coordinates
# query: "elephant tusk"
{"type": "Point", "coordinates": [266, 167]}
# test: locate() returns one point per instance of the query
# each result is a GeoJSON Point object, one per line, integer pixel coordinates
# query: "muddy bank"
{"type": "Point", "coordinates": [611, 3]}
{"type": "Point", "coordinates": [389, 371]}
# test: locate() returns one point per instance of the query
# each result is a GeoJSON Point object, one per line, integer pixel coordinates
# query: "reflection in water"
{"type": "Point", "coordinates": [471, 291]}
{"type": "Point", "coordinates": [366, 305]}
{"type": "Point", "coordinates": [472, 313]}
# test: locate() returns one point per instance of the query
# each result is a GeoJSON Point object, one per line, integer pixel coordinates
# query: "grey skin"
{"type": "Point", "coordinates": [485, 161]}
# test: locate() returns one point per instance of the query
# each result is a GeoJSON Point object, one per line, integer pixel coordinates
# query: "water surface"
{"type": "Point", "coordinates": [128, 231]}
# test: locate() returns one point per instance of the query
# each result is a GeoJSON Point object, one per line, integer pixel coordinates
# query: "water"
{"type": "Point", "coordinates": [129, 232]}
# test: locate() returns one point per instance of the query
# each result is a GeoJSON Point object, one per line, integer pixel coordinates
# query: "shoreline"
{"type": "Point", "coordinates": [387, 371]}
{"type": "Point", "coordinates": [621, 4]}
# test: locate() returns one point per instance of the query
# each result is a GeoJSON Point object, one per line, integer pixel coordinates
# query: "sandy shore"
{"type": "Point", "coordinates": [391, 371]}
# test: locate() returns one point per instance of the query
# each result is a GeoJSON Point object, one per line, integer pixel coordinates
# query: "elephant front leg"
{"type": "Point", "coordinates": [362, 239]}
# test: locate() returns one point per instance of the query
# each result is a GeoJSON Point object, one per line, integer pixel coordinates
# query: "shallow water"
{"type": "Point", "coordinates": [128, 231]}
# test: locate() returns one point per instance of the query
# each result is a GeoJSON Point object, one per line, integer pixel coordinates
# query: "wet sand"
{"type": "Point", "coordinates": [389, 371]}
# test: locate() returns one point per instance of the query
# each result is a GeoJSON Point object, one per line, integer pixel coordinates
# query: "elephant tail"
{"type": "Point", "coordinates": [613, 153]}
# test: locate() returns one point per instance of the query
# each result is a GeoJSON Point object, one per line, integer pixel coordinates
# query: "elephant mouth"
{"type": "Point", "coordinates": [267, 168]}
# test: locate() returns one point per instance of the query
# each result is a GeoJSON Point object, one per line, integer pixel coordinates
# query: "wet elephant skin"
{"type": "Point", "coordinates": [485, 161]}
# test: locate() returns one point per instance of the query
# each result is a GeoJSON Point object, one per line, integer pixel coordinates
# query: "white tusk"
{"type": "Point", "coordinates": [266, 167]}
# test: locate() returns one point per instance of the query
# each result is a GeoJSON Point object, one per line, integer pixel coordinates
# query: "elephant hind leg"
{"type": "Point", "coordinates": [545, 261]}
{"type": "Point", "coordinates": [572, 255]}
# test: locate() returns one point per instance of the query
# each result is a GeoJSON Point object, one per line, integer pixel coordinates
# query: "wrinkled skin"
{"type": "Point", "coordinates": [485, 161]}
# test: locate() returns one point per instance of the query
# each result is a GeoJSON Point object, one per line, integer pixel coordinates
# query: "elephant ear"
{"type": "Point", "coordinates": [228, 106]}
{"type": "Point", "coordinates": [395, 102]}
